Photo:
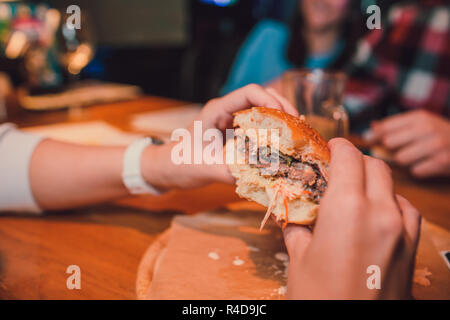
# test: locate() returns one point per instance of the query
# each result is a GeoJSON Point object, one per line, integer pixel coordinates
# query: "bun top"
{"type": "Point", "coordinates": [297, 138]}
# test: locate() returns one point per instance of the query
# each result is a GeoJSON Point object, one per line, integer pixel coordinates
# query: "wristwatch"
{"type": "Point", "coordinates": [131, 172]}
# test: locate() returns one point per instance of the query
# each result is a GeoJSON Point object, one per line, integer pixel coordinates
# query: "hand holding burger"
{"type": "Point", "coordinates": [217, 114]}
{"type": "Point", "coordinates": [360, 223]}
{"type": "Point", "coordinates": [289, 171]}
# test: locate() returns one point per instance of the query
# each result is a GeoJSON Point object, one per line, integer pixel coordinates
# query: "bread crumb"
{"type": "Point", "coordinates": [238, 262]}
{"type": "Point", "coordinates": [281, 256]}
{"type": "Point", "coordinates": [213, 255]}
{"type": "Point", "coordinates": [282, 290]}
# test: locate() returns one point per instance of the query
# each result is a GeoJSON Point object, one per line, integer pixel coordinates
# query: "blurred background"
{"type": "Point", "coordinates": [181, 49]}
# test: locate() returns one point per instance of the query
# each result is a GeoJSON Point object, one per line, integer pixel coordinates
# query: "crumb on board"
{"type": "Point", "coordinates": [282, 290]}
{"type": "Point", "coordinates": [213, 255]}
{"type": "Point", "coordinates": [238, 262]}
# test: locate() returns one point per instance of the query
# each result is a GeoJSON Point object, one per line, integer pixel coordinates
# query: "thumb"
{"type": "Point", "coordinates": [297, 239]}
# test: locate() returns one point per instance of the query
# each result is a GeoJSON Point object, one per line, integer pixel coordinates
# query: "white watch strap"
{"type": "Point", "coordinates": [131, 172]}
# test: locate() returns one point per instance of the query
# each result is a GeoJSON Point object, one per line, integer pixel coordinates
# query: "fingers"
{"type": "Point", "coordinates": [379, 184]}
{"type": "Point", "coordinates": [297, 239]}
{"type": "Point", "coordinates": [393, 131]}
{"type": "Point", "coordinates": [394, 123]}
{"type": "Point", "coordinates": [398, 138]}
{"type": "Point", "coordinates": [399, 130]}
{"type": "Point", "coordinates": [437, 165]}
{"type": "Point", "coordinates": [286, 105]}
{"type": "Point", "coordinates": [346, 171]}
{"type": "Point", "coordinates": [417, 150]}
{"type": "Point", "coordinates": [411, 219]}
{"type": "Point", "coordinates": [251, 95]}
{"type": "Point", "coordinates": [257, 96]}
{"type": "Point", "coordinates": [218, 113]}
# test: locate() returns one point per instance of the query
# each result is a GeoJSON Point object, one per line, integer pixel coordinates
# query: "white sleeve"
{"type": "Point", "coordinates": [16, 149]}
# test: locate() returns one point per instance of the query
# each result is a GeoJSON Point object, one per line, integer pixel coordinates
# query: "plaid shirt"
{"type": "Point", "coordinates": [405, 65]}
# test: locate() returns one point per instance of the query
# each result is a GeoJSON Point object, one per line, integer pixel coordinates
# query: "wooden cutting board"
{"type": "Point", "coordinates": [428, 258]}
{"type": "Point", "coordinates": [222, 255]}
{"type": "Point", "coordinates": [215, 255]}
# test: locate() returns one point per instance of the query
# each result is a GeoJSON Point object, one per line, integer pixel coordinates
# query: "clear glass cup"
{"type": "Point", "coordinates": [318, 96]}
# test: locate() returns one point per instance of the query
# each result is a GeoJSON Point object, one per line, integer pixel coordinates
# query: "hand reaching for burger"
{"type": "Point", "coordinates": [162, 173]}
{"type": "Point", "coordinates": [361, 222]}
{"type": "Point", "coordinates": [419, 140]}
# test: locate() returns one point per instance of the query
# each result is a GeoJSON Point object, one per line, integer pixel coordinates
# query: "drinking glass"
{"type": "Point", "coordinates": [318, 96]}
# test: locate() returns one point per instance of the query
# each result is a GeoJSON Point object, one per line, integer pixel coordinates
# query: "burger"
{"type": "Point", "coordinates": [284, 164]}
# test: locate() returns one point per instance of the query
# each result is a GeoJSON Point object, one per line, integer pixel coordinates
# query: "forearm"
{"type": "Point", "coordinates": [66, 175]}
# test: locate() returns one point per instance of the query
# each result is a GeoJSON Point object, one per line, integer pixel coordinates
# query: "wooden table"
{"type": "Point", "coordinates": [107, 241]}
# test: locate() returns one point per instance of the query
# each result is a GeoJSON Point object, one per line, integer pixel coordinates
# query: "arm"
{"type": "Point", "coordinates": [64, 175]}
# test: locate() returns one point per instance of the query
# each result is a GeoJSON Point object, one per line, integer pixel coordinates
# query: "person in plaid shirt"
{"type": "Point", "coordinates": [401, 73]}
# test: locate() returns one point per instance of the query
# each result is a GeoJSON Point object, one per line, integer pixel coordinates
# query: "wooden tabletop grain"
{"type": "Point", "coordinates": [107, 241]}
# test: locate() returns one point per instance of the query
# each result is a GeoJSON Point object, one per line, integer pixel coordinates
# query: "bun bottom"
{"type": "Point", "coordinates": [252, 186]}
